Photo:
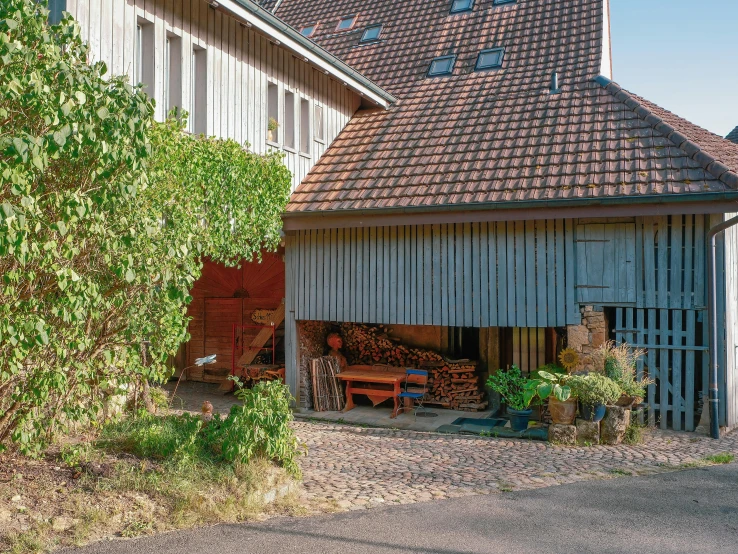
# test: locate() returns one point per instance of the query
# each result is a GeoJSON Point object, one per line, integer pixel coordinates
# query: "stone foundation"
{"type": "Point", "coordinates": [587, 338]}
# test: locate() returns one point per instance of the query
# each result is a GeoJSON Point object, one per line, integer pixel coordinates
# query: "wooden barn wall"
{"type": "Point", "coordinates": [240, 62]}
{"type": "Point", "coordinates": [515, 274]}
{"type": "Point", "coordinates": [731, 324]}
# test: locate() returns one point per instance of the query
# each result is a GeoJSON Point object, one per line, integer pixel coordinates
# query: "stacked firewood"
{"type": "Point", "coordinates": [451, 384]}
{"type": "Point", "coordinates": [369, 344]}
{"type": "Point", "coordinates": [454, 385]}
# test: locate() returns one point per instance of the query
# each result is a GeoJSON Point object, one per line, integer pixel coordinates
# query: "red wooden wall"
{"type": "Point", "coordinates": [224, 296]}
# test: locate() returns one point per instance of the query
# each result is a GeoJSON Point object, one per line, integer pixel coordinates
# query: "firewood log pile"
{"type": "Point", "coordinates": [312, 345]}
{"type": "Point", "coordinates": [451, 384]}
{"type": "Point", "coordinates": [327, 389]}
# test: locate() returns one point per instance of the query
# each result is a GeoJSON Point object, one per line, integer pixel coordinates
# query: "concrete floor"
{"type": "Point", "coordinates": [190, 396]}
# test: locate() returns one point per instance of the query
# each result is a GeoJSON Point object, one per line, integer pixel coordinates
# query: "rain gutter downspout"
{"type": "Point", "coordinates": [713, 318]}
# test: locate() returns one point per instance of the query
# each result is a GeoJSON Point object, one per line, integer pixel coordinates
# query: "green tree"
{"type": "Point", "coordinates": [105, 218]}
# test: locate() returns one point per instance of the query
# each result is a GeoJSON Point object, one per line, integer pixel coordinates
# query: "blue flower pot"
{"type": "Point", "coordinates": [519, 419]}
{"type": "Point", "coordinates": [593, 413]}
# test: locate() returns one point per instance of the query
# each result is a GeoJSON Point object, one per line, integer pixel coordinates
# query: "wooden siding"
{"type": "Point", "coordinates": [516, 274]}
{"type": "Point", "coordinates": [606, 263]}
{"type": "Point", "coordinates": [240, 62]}
{"type": "Point", "coordinates": [731, 325]}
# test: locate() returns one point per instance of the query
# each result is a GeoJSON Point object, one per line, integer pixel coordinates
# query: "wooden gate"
{"type": "Point", "coordinates": [677, 358]}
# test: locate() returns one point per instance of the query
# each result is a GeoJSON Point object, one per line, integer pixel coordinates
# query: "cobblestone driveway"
{"type": "Point", "coordinates": [360, 468]}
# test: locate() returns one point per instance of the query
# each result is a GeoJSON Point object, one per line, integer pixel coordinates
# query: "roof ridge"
{"type": "Point", "coordinates": [708, 162]}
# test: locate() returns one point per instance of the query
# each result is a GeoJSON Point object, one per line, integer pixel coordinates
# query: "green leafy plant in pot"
{"type": "Point", "coordinates": [620, 362]}
{"type": "Point", "coordinates": [550, 383]}
{"type": "Point", "coordinates": [517, 393]}
{"type": "Point", "coordinates": [595, 392]}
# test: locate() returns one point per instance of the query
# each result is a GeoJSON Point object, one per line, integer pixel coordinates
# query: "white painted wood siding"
{"type": "Point", "coordinates": [241, 63]}
{"type": "Point", "coordinates": [731, 323]}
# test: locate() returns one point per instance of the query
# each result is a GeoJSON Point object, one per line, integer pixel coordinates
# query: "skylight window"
{"type": "Point", "coordinates": [490, 59]}
{"type": "Point", "coordinates": [346, 22]}
{"type": "Point", "coordinates": [458, 6]}
{"type": "Point", "coordinates": [498, 2]}
{"type": "Point", "coordinates": [308, 30]}
{"type": "Point", "coordinates": [443, 65]}
{"type": "Point", "coordinates": [371, 33]}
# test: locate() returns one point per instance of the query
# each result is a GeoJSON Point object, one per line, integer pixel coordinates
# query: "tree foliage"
{"type": "Point", "coordinates": [105, 217]}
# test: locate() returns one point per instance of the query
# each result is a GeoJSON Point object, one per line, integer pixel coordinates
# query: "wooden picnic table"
{"type": "Point", "coordinates": [378, 385]}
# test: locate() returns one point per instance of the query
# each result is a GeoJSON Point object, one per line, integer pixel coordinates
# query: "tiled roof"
{"type": "Point", "coordinates": [733, 135]}
{"type": "Point", "coordinates": [267, 4]}
{"type": "Point", "coordinates": [496, 136]}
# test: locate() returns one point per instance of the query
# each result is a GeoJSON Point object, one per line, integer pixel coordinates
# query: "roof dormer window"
{"type": "Point", "coordinates": [371, 33]}
{"type": "Point", "coordinates": [458, 6]}
{"type": "Point", "coordinates": [308, 30]}
{"type": "Point", "coordinates": [443, 65]}
{"type": "Point", "coordinates": [346, 22]}
{"type": "Point", "coordinates": [490, 59]}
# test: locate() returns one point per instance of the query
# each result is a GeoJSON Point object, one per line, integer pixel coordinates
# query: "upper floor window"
{"type": "Point", "coordinates": [289, 120]}
{"type": "Point", "coordinates": [305, 126]}
{"type": "Point", "coordinates": [56, 7]}
{"type": "Point", "coordinates": [443, 65]}
{"type": "Point", "coordinates": [272, 112]}
{"type": "Point", "coordinates": [490, 59]}
{"type": "Point", "coordinates": [371, 33]}
{"type": "Point", "coordinates": [199, 91]}
{"type": "Point", "coordinates": [458, 6]}
{"type": "Point", "coordinates": [318, 123]}
{"type": "Point", "coordinates": [144, 62]}
{"type": "Point", "coordinates": [308, 30]}
{"type": "Point", "coordinates": [173, 73]}
{"type": "Point", "coordinates": [346, 22]}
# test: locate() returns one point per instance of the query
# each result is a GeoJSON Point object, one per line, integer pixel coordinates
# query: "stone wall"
{"type": "Point", "coordinates": [588, 337]}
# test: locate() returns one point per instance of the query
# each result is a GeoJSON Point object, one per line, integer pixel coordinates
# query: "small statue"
{"type": "Point", "coordinates": [207, 411]}
{"type": "Point", "coordinates": [335, 343]}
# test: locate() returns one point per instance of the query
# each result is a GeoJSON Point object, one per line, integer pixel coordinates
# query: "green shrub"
{"type": "Point", "coordinates": [593, 389]}
{"type": "Point", "coordinates": [511, 384]}
{"type": "Point", "coordinates": [620, 366]}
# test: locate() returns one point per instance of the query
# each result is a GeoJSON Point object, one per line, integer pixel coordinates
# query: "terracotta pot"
{"type": "Point", "coordinates": [563, 413]}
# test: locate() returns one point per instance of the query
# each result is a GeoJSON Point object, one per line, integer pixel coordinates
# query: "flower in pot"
{"type": "Point", "coordinates": [620, 363]}
{"type": "Point", "coordinates": [595, 392]}
{"type": "Point", "coordinates": [550, 382]}
{"type": "Point", "coordinates": [272, 127]}
{"type": "Point", "coordinates": [515, 389]}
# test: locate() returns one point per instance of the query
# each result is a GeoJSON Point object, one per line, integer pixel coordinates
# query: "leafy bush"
{"type": "Point", "coordinates": [593, 389]}
{"type": "Point", "coordinates": [258, 428]}
{"type": "Point", "coordinates": [546, 384]}
{"type": "Point", "coordinates": [105, 218]}
{"type": "Point", "coordinates": [512, 385]}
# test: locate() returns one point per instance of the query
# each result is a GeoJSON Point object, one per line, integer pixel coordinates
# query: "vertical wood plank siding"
{"type": "Point", "coordinates": [731, 324]}
{"type": "Point", "coordinates": [240, 62]}
{"type": "Point", "coordinates": [452, 275]}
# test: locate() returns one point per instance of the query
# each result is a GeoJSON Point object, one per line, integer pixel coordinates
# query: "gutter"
{"type": "Point", "coordinates": [266, 22]}
{"type": "Point", "coordinates": [712, 308]}
{"type": "Point", "coordinates": [528, 204]}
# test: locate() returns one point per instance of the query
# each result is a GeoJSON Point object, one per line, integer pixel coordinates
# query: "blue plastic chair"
{"type": "Point", "coordinates": [416, 396]}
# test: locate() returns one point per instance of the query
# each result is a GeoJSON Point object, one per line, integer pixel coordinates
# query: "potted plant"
{"type": "Point", "coordinates": [595, 392]}
{"type": "Point", "coordinates": [514, 388]}
{"type": "Point", "coordinates": [620, 363]}
{"type": "Point", "coordinates": [550, 382]}
{"type": "Point", "coordinates": [272, 127]}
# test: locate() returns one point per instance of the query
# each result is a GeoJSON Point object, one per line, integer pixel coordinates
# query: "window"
{"type": "Point", "coordinates": [490, 59]}
{"type": "Point", "coordinates": [304, 125]}
{"type": "Point", "coordinates": [144, 69]}
{"type": "Point", "coordinates": [289, 120]}
{"type": "Point", "coordinates": [346, 23]}
{"type": "Point", "coordinates": [371, 33]}
{"type": "Point", "coordinates": [318, 123]}
{"type": "Point", "coordinates": [56, 7]}
{"type": "Point", "coordinates": [272, 112]}
{"type": "Point", "coordinates": [498, 2]}
{"type": "Point", "coordinates": [173, 74]}
{"type": "Point", "coordinates": [308, 30]}
{"type": "Point", "coordinates": [199, 93]}
{"type": "Point", "coordinates": [443, 65]}
{"type": "Point", "coordinates": [458, 6]}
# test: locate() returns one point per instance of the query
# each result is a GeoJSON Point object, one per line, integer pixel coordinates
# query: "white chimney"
{"type": "Point", "coordinates": [606, 61]}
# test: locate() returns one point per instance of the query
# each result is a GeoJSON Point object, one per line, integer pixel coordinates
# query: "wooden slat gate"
{"type": "Point", "coordinates": [677, 358]}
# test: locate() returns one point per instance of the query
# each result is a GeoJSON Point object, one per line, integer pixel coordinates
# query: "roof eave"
{"type": "Point", "coordinates": [709, 202]}
{"type": "Point", "coordinates": [267, 23]}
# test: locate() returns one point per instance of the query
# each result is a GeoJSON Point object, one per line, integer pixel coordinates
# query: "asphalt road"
{"type": "Point", "coordinates": [687, 511]}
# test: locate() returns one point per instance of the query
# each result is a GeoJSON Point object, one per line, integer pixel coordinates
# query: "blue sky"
{"type": "Point", "coordinates": [681, 55]}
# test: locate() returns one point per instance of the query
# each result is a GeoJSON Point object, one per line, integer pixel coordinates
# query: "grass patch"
{"type": "Point", "coordinates": [722, 458]}
{"type": "Point", "coordinates": [32, 541]}
{"type": "Point", "coordinates": [635, 434]}
{"type": "Point", "coordinates": [623, 472]}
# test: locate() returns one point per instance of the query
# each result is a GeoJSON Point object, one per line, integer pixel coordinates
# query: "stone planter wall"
{"type": "Point", "coordinates": [588, 337]}
{"type": "Point", "coordinates": [611, 430]}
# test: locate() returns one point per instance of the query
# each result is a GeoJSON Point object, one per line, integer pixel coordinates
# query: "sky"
{"type": "Point", "coordinates": [681, 55]}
